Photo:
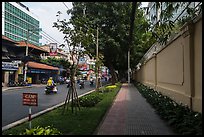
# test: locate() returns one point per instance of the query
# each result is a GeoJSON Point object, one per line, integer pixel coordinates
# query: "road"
{"type": "Point", "coordinates": [14, 110]}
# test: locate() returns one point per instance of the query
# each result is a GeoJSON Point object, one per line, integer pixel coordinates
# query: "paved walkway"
{"type": "Point", "coordinates": [130, 114]}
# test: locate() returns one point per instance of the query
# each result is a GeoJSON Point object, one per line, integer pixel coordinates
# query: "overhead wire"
{"type": "Point", "coordinates": [65, 5]}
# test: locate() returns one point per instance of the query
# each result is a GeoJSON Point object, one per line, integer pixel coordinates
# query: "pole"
{"type": "Point", "coordinates": [97, 60]}
{"type": "Point", "coordinates": [29, 116]}
{"type": "Point", "coordinates": [128, 66]}
{"type": "Point", "coordinates": [26, 65]}
{"type": "Point", "coordinates": [132, 18]}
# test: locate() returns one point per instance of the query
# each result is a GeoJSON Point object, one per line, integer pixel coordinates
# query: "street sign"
{"type": "Point", "coordinates": [30, 99]}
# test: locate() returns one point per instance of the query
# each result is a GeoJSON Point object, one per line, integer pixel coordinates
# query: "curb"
{"type": "Point", "coordinates": [10, 88]}
{"type": "Point", "coordinates": [39, 113]}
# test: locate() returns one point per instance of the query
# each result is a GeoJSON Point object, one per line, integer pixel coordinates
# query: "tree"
{"type": "Point", "coordinates": [75, 41]}
{"type": "Point", "coordinates": [111, 18]}
{"type": "Point", "coordinates": [59, 62]}
{"type": "Point", "coordinates": [113, 21]}
{"type": "Point", "coordinates": [165, 26]}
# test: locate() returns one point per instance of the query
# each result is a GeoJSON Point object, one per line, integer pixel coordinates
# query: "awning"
{"type": "Point", "coordinates": [61, 69]}
{"type": "Point", "coordinates": [41, 66]}
{"type": "Point", "coordinates": [12, 54]}
{"type": "Point", "coordinates": [4, 49]}
{"type": "Point", "coordinates": [5, 57]}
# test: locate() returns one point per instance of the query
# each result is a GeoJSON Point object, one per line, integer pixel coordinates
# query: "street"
{"type": "Point", "coordinates": [14, 110]}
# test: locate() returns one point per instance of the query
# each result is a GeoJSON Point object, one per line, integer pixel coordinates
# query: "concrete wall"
{"type": "Point", "coordinates": [175, 69]}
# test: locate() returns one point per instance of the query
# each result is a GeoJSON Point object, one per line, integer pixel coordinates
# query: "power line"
{"type": "Point", "coordinates": [65, 5]}
{"type": "Point", "coordinates": [48, 36]}
{"type": "Point", "coordinates": [45, 37]}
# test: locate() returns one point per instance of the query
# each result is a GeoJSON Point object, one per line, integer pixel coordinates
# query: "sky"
{"type": "Point", "coordinates": [46, 13]}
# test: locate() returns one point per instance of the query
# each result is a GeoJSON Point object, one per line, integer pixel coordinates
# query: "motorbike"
{"type": "Point", "coordinates": [81, 84]}
{"type": "Point", "coordinates": [91, 83]}
{"type": "Point", "coordinates": [43, 81]}
{"type": "Point", "coordinates": [68, 82]}
{"type": "Point", "coordinates": [51, 89]}
{"type": "Point", "coordinates": [12, 84]}
{"type": "Point", "coordinates": [21, 83]}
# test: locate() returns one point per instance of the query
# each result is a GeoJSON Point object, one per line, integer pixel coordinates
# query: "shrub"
{"type": "Point", "coordinates": [109, 88]}
{"type": "Point", "coordinates": [90, 100]}
{"type": "Point", "coordinates": [183, 120]}
{"type": "Point", "coordinates": [41, 131]}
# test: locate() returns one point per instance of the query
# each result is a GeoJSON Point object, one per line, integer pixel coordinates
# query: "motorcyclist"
{"type": "Point", "coordinates": [50, 82]}
{"type": "Point", "coordinates": [81, 83]}
{"type": "Point", "coordinates": [51, 86]}
{"type": "Point", "coordinates": [68, 82]}
{"type": "Point", "coordinates": [91, 81]}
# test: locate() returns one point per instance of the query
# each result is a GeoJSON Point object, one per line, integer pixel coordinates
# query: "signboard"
{"type": "Point", "coordinates": [29, 79]}
{"type": "Point", "coordinates": [9, 66]}
{"type": "Point", "coordinates": [20, 70]}
{"type": "Point", "coordinates": [30, 99]}
{"type": "Point", "coordinates": [53, 49]}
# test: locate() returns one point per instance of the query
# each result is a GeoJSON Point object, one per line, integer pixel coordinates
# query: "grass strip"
{"type": "Point", "coordinates": [84, 122]}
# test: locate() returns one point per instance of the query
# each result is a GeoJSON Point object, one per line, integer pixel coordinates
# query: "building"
{"type": "Point", "coordinates": [36, 69]}
{"type": "Point", "coordinates": [60, 53]}
{"type": "Point", "coordinates": [10, 61]}
{"type": "Point", "coordinates": [14, 60]}
{"type": "Point", "coordinates": [18, 23]}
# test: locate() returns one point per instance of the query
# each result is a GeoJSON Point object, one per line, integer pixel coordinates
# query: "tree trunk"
{"type": "Point", "coordinates": [113, 74]}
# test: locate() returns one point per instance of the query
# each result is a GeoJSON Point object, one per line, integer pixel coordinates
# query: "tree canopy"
{"type": "Point", "coordinates": [113, 22]}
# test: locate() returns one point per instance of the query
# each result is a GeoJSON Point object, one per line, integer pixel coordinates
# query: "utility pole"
{"type": "Point", "coordinates": [26, 64]}
{"type": "Point", "coordinates": [96, 64]}
{"type": "Point", "coordinates": [27, 41]}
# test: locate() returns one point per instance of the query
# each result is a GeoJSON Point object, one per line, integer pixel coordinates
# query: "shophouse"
{"type": "Point", "coordinates": [10, 60]}
{"type": "Point", "coordinates": [37, 70]}
{"type": "Point", "coordinates": [14, 60]}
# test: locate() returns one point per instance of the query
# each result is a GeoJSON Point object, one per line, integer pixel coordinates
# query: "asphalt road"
{"type": "Point", "coordinates": [14, 110]}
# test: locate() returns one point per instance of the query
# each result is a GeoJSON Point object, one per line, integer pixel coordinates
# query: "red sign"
{"type": "Point", "coordinates": [53, 49]}
{"type": "Point", "coordinates": [30, 99]}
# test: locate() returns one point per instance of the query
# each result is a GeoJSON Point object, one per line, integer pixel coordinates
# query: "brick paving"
{"type": "Point", "coordinates": [130, 114]}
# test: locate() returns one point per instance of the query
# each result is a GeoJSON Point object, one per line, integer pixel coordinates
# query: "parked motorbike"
{"type": "Point", "coordinates": [43, 81]}
{"type": "Point", "coordinates": [21, 83]}
{"type": "Point", "coordinates": [51, 89]}
{"type": "Point", "coordinates": [12, 84]}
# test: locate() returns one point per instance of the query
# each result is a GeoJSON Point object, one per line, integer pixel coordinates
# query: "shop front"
{"type": "Point", "coordinates": [9, 72]}
{"type": "Point", "coordinates": [38, 72]}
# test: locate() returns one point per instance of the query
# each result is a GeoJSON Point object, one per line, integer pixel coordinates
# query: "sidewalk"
{"type": "Point", "coordinates": [33, 85]}
{"type": "Point", "coordinates": [130, 114]}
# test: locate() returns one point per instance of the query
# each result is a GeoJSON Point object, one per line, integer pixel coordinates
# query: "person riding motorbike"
{"type": "Point", "coordinates": [50, 82]}
{"type": "Point", "coordinates": [51, 87]}
{"type": "Point", "coordinates": [91, 81]}
{"type": "Point", "coordinates": [81, 83]}
{"type": "Point", "coordinates": [68, 82]}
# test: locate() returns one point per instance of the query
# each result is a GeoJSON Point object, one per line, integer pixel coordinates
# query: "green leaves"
{"type": "Point", "coordinates": [183, 120]}
{"type": "Point", "coordinates": [57, 62]}
{"type": "Point", "coordinates": [41, 131]}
